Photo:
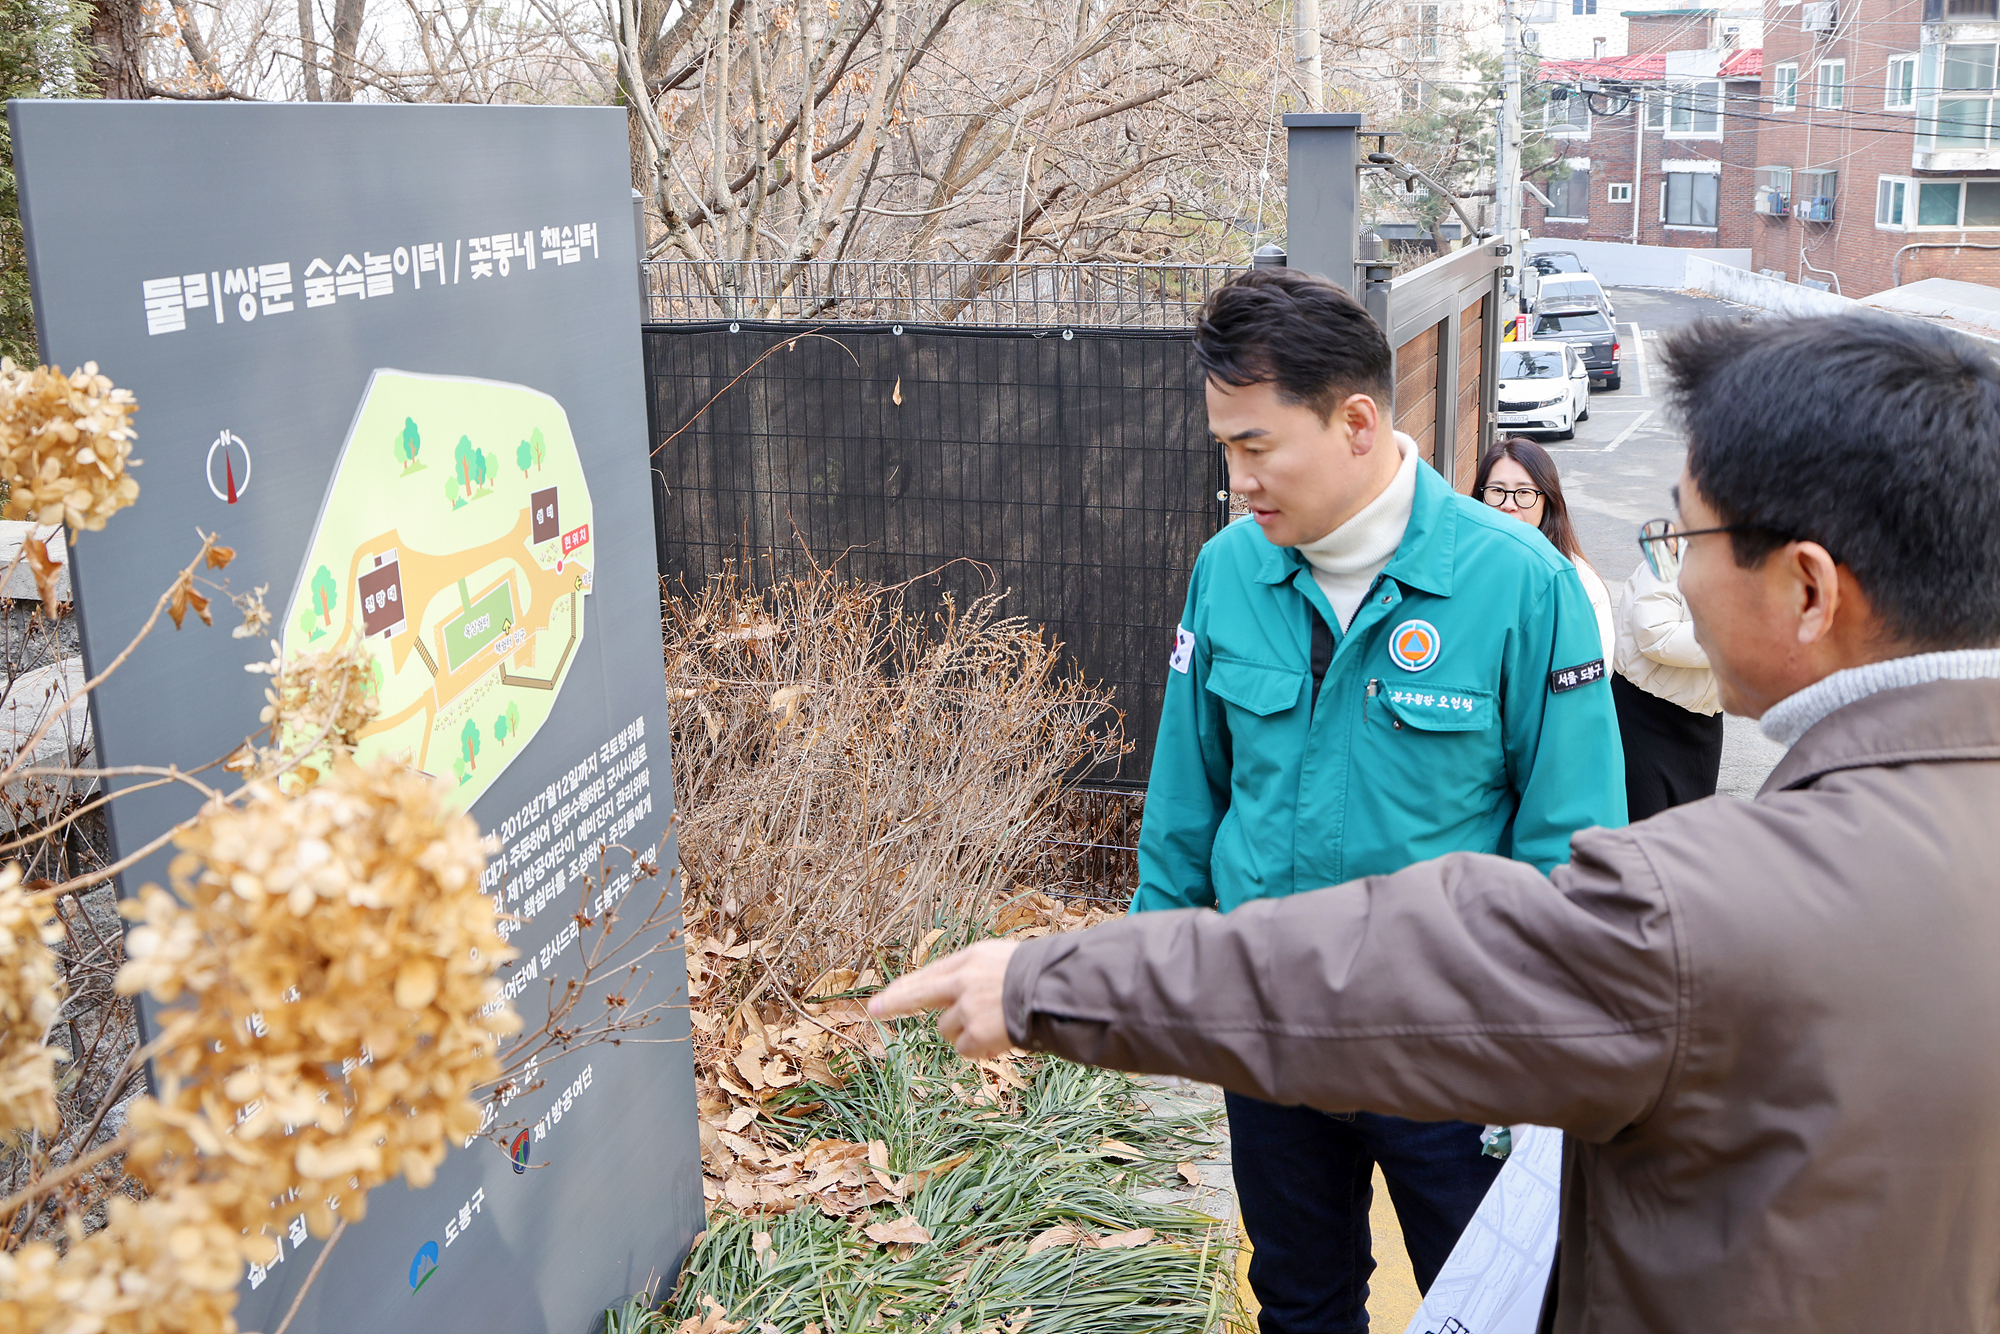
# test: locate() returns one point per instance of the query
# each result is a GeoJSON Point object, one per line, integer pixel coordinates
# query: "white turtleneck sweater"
{"type": "Point", "coordinates": [1346, 561]}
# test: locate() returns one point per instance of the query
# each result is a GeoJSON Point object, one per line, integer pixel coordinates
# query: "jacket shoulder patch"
{"type": "Point", "coordinates": [1183, 650]}
{"type": "Point", "coordinates": [1569, 678]}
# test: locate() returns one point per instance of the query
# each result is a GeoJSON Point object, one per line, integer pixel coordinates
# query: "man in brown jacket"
{"type": "Point", "coordinates": [1769, 1030]}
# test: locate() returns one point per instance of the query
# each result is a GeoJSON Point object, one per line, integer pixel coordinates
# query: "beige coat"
{"type": "Point", "coordinates": [1656, 649]}
{"type": "Point", "coordinates": [1770, 1030]}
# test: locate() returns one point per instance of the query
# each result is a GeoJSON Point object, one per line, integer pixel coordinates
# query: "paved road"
{"type": "Point", "coordinates": [1618, 471]}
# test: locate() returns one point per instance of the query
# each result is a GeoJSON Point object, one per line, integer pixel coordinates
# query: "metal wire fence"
{"type": "Point", "coordinates": [1071, 468]}
{"type": "Point", "coordinates": [1105, 296]}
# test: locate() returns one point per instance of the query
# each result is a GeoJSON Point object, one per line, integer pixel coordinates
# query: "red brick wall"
{"type": "Point", "coordinates": [1646, 34]}
{"type": "Point", "coordinates": [1851, 138]}
{"type": "Point", "coordinates": [1610, 148]}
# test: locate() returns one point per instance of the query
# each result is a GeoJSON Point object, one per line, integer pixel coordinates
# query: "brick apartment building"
{"type": "Point", "coordinates": [1663, 152]}
{"type": "Point", "coordinates": [1879, 157]}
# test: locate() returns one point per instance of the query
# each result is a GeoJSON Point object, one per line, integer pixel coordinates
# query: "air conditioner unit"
{"type": "Point", "coordinates": [1531, 38]}
{"type": "Point", "coordinates": [1817, 17]}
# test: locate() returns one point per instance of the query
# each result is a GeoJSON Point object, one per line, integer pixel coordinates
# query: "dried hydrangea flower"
{"type": "Point", "coordinates": [28, 1003]}
{"type": "Point", "coordinates": [335, 959]}
{"type": "Point", "coordinates": [65, 445]}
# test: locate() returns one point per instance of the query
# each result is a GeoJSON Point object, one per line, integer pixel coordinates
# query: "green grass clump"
{"type": "Point", "coordinates": [1033, 1164]}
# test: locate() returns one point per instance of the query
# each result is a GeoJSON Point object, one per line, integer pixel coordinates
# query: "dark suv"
{"type": "Point", "coordinates": [1581, 323]}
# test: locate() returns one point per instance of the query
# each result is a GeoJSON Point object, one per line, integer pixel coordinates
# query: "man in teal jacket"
{"type": "Point", "coordinates": [1371, 670]}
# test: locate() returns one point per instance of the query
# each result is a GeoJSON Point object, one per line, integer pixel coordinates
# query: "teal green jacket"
{"type": "Point", "coordinates": [1466, 709]}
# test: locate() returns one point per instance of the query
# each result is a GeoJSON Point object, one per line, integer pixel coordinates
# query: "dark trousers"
{"type": "Point", "coordinates": [1672, 755]}
{"type": "Point", "coordinates": [1304, 1180]}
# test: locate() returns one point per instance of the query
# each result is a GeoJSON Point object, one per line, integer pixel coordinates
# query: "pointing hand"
{"type": "Point", "coordinates": [967, 987]}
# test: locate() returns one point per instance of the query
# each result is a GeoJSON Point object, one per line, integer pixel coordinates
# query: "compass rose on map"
{"type": "Point", "coordinates": [228, 467]}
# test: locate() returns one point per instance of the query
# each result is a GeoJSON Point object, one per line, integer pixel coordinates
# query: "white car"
{"type": "Point", "coordinates": [1556, 287]}
{"type": "Point", "coordinates": [1544, 387]}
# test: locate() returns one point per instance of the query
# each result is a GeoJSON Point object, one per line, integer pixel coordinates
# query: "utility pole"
{"type": "Point", "coordinates": [1305, 51]}
{"type": "Point", "coordinates": [1507, 182]}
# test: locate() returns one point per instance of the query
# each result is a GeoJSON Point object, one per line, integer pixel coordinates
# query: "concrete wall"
{"type": "Point", "coordinates": [1616, 264]}
{"type": "Point", "coordinates": [1754, 289]}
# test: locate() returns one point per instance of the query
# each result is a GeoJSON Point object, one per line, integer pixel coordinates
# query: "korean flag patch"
{"type": "Point", "coordinates": [1183, 649]}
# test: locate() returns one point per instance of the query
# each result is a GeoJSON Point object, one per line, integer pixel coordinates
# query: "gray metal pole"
{"type": "Point", "coordinates": [1507, 186]}
{"type": "Point", "coordinates": [1322, 193]}
{"type": "Point", "coordinates": [639, 227]}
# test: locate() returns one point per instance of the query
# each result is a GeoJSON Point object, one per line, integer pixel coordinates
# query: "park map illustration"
{"type": "Point", "coordinates": [455, 541]}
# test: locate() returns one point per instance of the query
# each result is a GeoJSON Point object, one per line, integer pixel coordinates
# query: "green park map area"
{"type": "Point", "coordinates": [455, 542]}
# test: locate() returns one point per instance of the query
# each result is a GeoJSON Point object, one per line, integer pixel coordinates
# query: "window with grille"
{"type": "Point", "coordinates": [1774, 192]}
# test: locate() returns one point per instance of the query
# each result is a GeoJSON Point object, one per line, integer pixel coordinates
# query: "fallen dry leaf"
{"type": "Point", "coordinates": [1018, 1321]}
{"type": "Point", "coordinates": [45, 568]}
{"type": "Point", "coordinates": [712, 1321]}
{"type": "Point", "coordinates": [1188, 1173]}
{"type": "Point", "coordinates": [896, 396]}
{"type": "Point", "coordinates": [1119, 1151]}
{"type": "Point", "coordinates": [904, 1231]}
{"type": "Point", "coordinates": [1125, 1241]}
{"type": "Point", "coordinates": [1062, 1234]}
{"type": "Point", "coordinates": [916, 1181]}
{"type": "Point", "coordinates": [923, 949]}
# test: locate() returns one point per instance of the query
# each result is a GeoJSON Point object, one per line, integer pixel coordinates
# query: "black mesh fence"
{"type": "Point", "coordinates": [1071, 468]}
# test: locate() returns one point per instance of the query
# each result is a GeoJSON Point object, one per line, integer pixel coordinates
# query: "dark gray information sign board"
{"type": "Point", "coordinates": [392, 355]}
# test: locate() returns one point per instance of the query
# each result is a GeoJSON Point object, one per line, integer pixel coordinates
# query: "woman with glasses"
{"type": "Point", "coordinates": [1518, 477]}
{"type": "Point", "coordinates": [1669, 707]}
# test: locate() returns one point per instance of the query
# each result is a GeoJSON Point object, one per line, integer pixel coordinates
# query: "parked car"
{"type": "Point", "coordinates": [1574, 287]}
{"type": "Point", "coordinates": [1544, 387]}
{"type": "Point", "coordinates": [1556, 261]}
{"type": "Point", "coordinates": [1587, 329]}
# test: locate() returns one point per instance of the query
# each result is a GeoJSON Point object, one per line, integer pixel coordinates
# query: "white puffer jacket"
{"type": "Point", "coordinates": [1657, 651]}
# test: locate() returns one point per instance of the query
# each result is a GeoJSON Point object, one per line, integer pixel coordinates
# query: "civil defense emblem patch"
{"type": "Point", "coordinates": [1414, 645]}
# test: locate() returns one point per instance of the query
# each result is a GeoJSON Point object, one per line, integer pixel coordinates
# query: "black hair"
{"type": "Point", "coordinates": [1535, 460]}
{"type": "Point", "coordinates": [1874, 436]}
{"type": "Point", "coordinates": [1301, 333]}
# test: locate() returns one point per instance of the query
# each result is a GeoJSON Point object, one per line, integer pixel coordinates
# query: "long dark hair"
{"type": "Point", "coordinates": [1535, 460]}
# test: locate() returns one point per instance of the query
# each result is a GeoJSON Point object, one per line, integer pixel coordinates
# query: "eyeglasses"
{"type": "Point", "coordinates": [1524, 497]}
{"type": "Point", "coordinates": [1660, 543]}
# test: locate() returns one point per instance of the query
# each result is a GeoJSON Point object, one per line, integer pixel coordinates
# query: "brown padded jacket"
{"type": "Point", "coordinates": [1770, 1030]}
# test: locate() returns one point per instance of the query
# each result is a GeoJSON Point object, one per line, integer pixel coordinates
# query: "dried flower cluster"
{"type": "Point", "coordinates": [314, 709]}
{"type": "Point", "coordinates": [65, 445]}
{"type": "Point", "coordinates": [287, 1086]}
{"type": "Point", "coordinates": [162, 1266]}
{"type": "Point", "coordinates": [285, 1076]}
{"type": "Point", "coordinates": [28, 1003]}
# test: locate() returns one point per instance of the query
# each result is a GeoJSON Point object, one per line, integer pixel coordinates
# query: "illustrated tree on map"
{"type": "Point", "coordinates": [468, 743]}
{"type": "Point", "coordinates": [524, 457]}
{"type": "Point", "coordinates": [407, 445]}
{"type": "Point", "coordinates": [309, 625]}
{"type": "Point", "coordinates": [507, 724]}
{"type": "Point", "coordinates": [537, 445]}
{"type": "Point", "coordinates": [466, 461]}
{"type": "Point", "coordinates": [325, 595]}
